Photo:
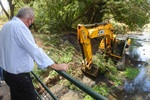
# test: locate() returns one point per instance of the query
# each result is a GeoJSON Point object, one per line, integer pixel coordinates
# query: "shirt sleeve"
{"type": "Point", "coordinates": [27, 42]}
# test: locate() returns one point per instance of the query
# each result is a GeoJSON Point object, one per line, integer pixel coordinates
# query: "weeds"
{"type": "Point", "coordinates": [107, 67]}
{"type": "Point", "coordinates": [102, 89]}
{"type": "Point", "coordinates": [131, 73]}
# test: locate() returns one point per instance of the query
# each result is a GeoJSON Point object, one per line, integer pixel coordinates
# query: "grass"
{"type": "Point", "coordinates": [131, 73]}
{"type": "Point", "coordinates": [101, 89]}
{"type": "Point", "coordinates": [108, 68]}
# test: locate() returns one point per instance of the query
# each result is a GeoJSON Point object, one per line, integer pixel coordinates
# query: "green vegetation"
{"type": "Point", "coordinates": [53, 73]}
{"type": "Point", "coordinates": [62, 15]}
{"type": "Point", "coordinates": [129, 12]}
{"type": "Point", "coordinates": [107, 67]}
{"type": "Point", "coordinates": [59, 50]}
{"type": "Point", "coordinates": [131, 73]}
{"type": "Point", "coordinates": [104, 65]}
{"type": "Point", "coordinates": [102, 89]}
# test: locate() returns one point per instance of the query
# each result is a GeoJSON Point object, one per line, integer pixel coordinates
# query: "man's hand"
{"type": "Point", "coordinates": [62, 66]}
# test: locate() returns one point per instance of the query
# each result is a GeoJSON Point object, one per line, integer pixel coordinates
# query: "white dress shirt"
{"type": "Point", "coordinates": [18, 50]}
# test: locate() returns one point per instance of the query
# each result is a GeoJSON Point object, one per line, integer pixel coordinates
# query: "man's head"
{"type": "Point", "coordinates": [26, 14]}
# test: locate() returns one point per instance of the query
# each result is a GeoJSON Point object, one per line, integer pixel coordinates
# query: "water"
{"type": "Point", "coordinates": [139, 88]}
{"type": "Point", "coordinates": [140, 84]}
{"type": "Point", "coordinates": [140, 47]}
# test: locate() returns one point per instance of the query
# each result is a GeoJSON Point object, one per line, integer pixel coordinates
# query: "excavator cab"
{"type": "Point", "coordinates": [114, 45]}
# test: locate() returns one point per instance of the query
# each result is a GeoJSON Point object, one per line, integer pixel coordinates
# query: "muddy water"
{"type": "Point", "coordinates": [138, 88]}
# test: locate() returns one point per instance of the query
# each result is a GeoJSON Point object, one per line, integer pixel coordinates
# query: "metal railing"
{"type": "Point", "coordinates": [80, 85]}
{"type": "Point", "coordinates": [48, 92]}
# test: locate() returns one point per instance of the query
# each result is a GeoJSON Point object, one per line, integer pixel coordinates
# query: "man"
{"type": "Point", "coordinates": [18, 52]}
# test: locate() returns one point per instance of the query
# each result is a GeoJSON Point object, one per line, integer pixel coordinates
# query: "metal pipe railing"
{"type": "Point", "coordinates": [38, 95]}
{"type": "Point", "coordinates": [45, 87]}
{"type": "Point", "coordinates": [82, 86]}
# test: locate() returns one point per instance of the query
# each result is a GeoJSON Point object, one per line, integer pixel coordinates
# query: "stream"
{"type": "Point", "coordinates": [139, 87]}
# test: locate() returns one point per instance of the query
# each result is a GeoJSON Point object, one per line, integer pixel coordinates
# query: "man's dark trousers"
{"type": "Point", "coordinates": [21, 86]}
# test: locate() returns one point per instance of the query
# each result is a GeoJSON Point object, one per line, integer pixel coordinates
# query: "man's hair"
{"type": "Point", "coordinates": [25, 12]}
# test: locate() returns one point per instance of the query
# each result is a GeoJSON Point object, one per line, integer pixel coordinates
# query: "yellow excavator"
{"type": "Point", "coordinates": [111, 44]}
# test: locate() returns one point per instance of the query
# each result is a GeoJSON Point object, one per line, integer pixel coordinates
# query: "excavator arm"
{"type": "Point", "coordinates": [86, 32]}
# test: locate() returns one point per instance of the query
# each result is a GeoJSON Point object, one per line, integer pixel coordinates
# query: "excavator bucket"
{"type": "Point", "coordinates": [93, 71]}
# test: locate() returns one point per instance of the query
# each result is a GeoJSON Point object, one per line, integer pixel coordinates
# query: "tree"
{"type": "Point", "coordinates": [11, 7]}
{"type": "Point", "coordinates": [4, 9]}
{"type": "Point", "coordinates": [66, 14]}
{"type": "Point", "coordinates": [13, 4]}
{"type": "Point", "coordinates": [134, 13]}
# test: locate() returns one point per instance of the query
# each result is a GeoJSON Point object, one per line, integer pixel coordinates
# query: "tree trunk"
{"type": "Point", "coordinates": [12, 7]}
{"type": "Point", "coordinates": [95, 13]}
{"type": "Point", "coordinates": [4, 9]}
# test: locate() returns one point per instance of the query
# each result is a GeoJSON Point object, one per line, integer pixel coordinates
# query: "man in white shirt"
{"type": "Point", "coordinates": [18, 52]}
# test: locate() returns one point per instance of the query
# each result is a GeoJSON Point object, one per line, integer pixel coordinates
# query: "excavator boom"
{"type": "Point", "coordinates": [108, 43]}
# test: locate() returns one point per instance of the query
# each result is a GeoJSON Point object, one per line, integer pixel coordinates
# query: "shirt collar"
{"type": "Point", "coordinates": [17, 19]}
